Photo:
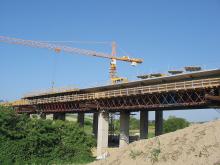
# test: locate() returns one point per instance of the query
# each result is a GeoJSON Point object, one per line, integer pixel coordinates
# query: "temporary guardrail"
{"type": "Point", "coordinates": [186, 85]}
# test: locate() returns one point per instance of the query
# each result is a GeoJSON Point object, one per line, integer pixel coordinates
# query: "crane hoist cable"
{"type": "Point", "coordinates": [54, 69]}
{"type": "Point", "coordinates": [54, 58]}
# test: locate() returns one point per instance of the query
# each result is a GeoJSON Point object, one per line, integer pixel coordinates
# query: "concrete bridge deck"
{"type": "Point", "coordinates": [182, 91]}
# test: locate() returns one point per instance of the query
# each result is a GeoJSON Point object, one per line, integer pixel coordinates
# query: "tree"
{"type": "Point", "coordinates": [35, 141]}
{"type": "Point", "coordinates": [134, 123]}
{"type": "Point", "coordinates": [173, 123]}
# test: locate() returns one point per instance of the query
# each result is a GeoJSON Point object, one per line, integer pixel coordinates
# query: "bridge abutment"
{"type": "Point", "coordinates": [80, 119]}
{"type": "Point", "coordinates": [158, 123]}
{"type": "Point", "coordinates": [95, 124]}
{"type": "Point", "coordinates": [102, 139]}
{"type": "Point", "coordinates": [143, 124]}
{"type": "Point", "coordinates": [59, 116]}
{"type": "Point", "coordinates": [124, 129]}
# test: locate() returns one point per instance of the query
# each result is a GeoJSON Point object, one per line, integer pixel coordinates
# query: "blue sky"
{"type": "Point", "coordinates": [166, 34]}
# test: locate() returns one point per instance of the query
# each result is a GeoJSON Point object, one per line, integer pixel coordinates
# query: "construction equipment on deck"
{"type": "Point", "coordinates": [153, 75]}
{"type": "Point", "coordinates": [174, 72]}
{"type": "Point", "coordinates": [192, 68]}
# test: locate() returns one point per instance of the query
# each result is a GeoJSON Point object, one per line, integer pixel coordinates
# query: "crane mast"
{"type": "Point", "coordinates": [112, 69]}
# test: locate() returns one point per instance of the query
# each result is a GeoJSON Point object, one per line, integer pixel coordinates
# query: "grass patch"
{"type": "Point", "coordinates": [154, 155]}
{"type": "Point", "coordinates": [134, 154]}
{"type": "Point", "coordinates": [155, 152]}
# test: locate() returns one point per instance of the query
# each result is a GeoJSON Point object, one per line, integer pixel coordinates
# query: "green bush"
{"type": "Point", "coordinates": [88, 122]}
{"type": "Point", "coordinates": [173, 123]}
{"type": "Point", "coordinates": [28, 141]}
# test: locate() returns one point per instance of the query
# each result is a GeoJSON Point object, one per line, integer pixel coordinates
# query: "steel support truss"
{"type": "Point", "coordinates": [182, 99]}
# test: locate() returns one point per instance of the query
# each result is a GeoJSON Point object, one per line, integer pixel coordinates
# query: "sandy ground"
{"type": "Point", "coordinates": [195, 145]}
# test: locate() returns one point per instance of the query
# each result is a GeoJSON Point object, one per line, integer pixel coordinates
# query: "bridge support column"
{"type": "Point", "coordinates": [43, 115]}
{"type": "Point", "coordinates": [59, 116]}
{"type": "Point", "coordinates": [158, 123]}
{"type": "Point", "coordinates": [143, 124]}
{"type": "Point", "coordinates": [80, 119]}
{"type": "Point", "coordinates": [124, 128]}
{"type": "Point", "coordinates": [103, 126]}
{"type": "Point", "coordinates": [95, 124]}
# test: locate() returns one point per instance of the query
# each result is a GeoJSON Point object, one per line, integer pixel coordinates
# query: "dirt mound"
{"type": "Point", "coordinates": [197, 144]}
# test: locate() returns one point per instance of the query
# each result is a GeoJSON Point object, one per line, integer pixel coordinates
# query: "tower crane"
{"type": "Point", "coordinates": [72, 50]}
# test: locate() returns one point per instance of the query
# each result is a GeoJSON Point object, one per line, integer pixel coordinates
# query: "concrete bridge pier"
{"type": "Point", "coordinates": [59, 116]}
{"type": "Point", "coordinates": [80, 119]}
{"type": "Point", "coordinates": [95, 124]}
{"type": "Point", "coordinates": [158, 123]}
{"type": "Point", "coordinates": [143, 124]}
{"type": "Point", "coordinates": [102, 139]}
{"type": "Point", "coordinates": [124, 128]}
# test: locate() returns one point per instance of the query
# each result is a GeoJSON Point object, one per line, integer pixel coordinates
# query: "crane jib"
{"type": "Point", "coordinates": [68, 49]}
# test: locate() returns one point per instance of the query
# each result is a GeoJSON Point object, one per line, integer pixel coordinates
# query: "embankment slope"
{"type": "Point", "coordinates": [196, 145]}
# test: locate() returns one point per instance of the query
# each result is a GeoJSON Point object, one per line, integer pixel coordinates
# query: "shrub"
{"type": "Point", "coordinates": [35, 141]}
{"type": "Point", "coordinates": [88, 121]}
{"type": "Point", "coordinates": [173, 123]}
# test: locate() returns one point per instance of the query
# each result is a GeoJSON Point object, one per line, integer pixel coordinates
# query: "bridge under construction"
{"type": "Point", "coordinates": [193, 90]}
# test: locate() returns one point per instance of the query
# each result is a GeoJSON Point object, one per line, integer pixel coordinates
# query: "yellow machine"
{"type": "Point", "coordinates": [117, 80]}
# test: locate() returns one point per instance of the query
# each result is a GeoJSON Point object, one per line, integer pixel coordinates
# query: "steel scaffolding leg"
{"type": "Point", "coordinates": [95, 124]}
{"type": "Point", "coordinates": [158, 123]}
{"type": "Point", "coordinates": [80, 119]}
{"type": "Point", "coordinates": [143, 124]}
{"type": "Point", "coordinates": [59, 116]}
